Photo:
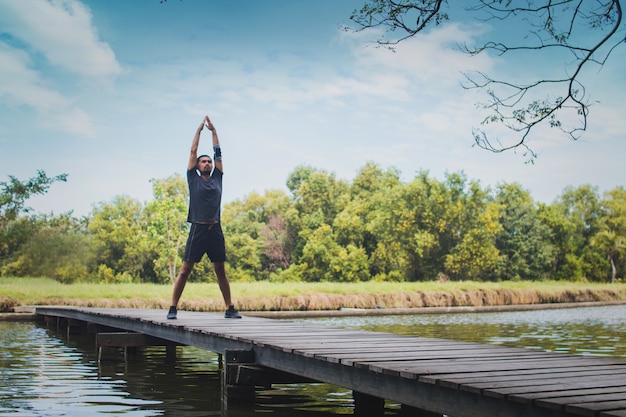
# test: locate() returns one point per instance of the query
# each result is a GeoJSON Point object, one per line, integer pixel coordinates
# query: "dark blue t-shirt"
{"type": "Point", "coordinates": [205, 196]}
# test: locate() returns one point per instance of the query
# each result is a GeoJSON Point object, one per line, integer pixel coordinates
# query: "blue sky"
{"type": "Point", "coordinates": [111, 92]}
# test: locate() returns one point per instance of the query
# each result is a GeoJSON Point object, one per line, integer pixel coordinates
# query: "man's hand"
{"type": "Point", "coordinates": [209, 124]}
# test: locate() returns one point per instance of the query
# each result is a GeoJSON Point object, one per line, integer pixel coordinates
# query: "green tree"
{"type": "Point", "coordinates": [58, 247]}
{"type": "Point", "coordinates": [524, 241]}
{"type": "Point", "coordinates": [361, 225]}
{"type": "Point", "coordinates": [471, 229]}
{"type": "Point", "coordinates": [167, 225]}
{"type": "Point", "coordinates": [317, 198]}
{"type": "Point", "coordinates": [611, 244]}
{"type": "Point", "coordinates": [14, 193]}
{"type": "Point", "coordinates": [258, 239]}
{"type": "Point", "coordinates": [577, 220]}
{"type": "Point", "coordinates": [611, 239]}
{"type": "Point", "coordinates": [390, 221]}
{"type": "Point", "coordinates": [121, 241]}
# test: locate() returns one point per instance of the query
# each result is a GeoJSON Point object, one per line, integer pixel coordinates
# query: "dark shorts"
{"type": "Point", "coordinates": [205, 238]}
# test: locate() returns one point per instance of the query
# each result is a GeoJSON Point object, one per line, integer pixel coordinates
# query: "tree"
{"type": "Point", "coordinates": [259, 241]}
{"type": "Point", "coordinates": [14, 193]}
{"type": "Point", "coordinates": [611, 243]}
{"type": "Point", "coordinates": [58, 247]}
{"type": "Point", "coordinates": [471, 227]}
{"type": "Point", "coordinates": [120, 237]}
{"type": "Point", "coordinates": [525, 240]}
{"type": "Point", "coordinates": [575, 218]}
{"type": "Point", "coordinates": [167, 224]}
{"type": "Point", "coordinates": [363, 223]}
{"type": "Point", "coordinates": [611, 239]}
{"type": "Point", "coordinates": [568, 34]}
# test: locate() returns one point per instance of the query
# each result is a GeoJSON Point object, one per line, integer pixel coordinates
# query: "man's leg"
{"type": "Point", "coordinates": [223, 282]}
{"type": "Point", "coordinates": [179, 286]}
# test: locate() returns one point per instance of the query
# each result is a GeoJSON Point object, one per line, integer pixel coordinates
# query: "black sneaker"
{"type": "Point", "coordinates": [171, 315]}
{"type": "Point", "coordinates": [231, 313]}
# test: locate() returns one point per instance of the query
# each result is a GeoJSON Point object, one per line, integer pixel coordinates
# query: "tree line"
{"type": "Point", "coordinates": [375, 227]}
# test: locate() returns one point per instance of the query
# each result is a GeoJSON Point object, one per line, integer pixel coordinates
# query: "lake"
{"type": "Point", "coordinates": [43, 372]}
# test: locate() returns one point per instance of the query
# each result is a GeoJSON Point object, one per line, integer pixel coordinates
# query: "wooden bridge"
{"type": "Point", "coordinates": [427, 376]}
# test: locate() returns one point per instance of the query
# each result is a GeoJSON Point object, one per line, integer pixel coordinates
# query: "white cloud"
{"type": "Point", "coordinates": [63, 32]}
{"type": "Point", "coordinates": [26, 87]}
{"type": "Point", "coordinates": [22, 85]}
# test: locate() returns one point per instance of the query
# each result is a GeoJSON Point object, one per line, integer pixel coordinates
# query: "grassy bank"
{"type": "Point", "coordinates": [263, 296]}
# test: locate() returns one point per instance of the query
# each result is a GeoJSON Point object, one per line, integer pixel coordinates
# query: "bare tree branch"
{"type": "Point", "coordinates": [553, 26]}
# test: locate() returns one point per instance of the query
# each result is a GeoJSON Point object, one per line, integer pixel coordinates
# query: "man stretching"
{"type": "Point", "coordinates": [205, 236]}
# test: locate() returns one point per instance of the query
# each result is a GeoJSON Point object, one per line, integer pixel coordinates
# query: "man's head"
{"type": "Point", "coordinates": [204, 164]}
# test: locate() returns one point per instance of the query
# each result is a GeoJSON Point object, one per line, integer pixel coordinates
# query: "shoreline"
{"type": "Point", "coordinates": [26, 313]}
{"type": "Point", "coordinates": [357, 312]}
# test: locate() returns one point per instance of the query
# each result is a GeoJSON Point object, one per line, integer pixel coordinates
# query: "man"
{"type": "Point", "coordinates": [205, 236]}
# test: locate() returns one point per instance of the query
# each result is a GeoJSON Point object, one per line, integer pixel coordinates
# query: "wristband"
{"type": "Point", "coordinates": [217, 153]}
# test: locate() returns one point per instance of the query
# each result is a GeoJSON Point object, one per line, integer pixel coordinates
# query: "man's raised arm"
{"type": "Point", "coordinates": [193, 156]}
{"type": "Point", "coordinates": [217, 151]}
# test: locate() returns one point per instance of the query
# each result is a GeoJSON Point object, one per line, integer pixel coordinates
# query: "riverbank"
{"type": "Point", "coordinates": [314, 298]}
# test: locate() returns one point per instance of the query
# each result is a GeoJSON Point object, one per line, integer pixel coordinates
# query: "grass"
{"type": "Point", "coordinates": [265, 296]}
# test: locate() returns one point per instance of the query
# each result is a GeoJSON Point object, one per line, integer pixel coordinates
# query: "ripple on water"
{"type": "Point", "coordinates": [41, 376]}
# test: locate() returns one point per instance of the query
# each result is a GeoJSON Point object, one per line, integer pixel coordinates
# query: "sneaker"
{"type": "Point", "coordinates": [231, 313]}
{"type": "Point", "coordinates": [171, 315]}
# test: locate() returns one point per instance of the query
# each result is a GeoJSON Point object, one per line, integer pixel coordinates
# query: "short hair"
{"type": "Point", "coordinates": [202, 156]}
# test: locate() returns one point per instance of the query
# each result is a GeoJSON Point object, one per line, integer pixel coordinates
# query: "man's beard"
{"type": "Point", "coordinates": [205, 172]}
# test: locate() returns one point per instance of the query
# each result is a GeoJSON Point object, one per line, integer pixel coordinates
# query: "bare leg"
{"type": "Point", "coordinates": [222, 280]}
{"type": "Point", "coordinates": [181, 280]}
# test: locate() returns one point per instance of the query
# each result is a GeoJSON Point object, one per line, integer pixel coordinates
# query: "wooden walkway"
{"type": "Point", "coordinates": [459, 379]}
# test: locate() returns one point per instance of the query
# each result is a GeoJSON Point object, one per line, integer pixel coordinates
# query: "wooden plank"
{"type": "Point", "coordinates": [564, 393]}
{"type": "Point", "coordinates": [468, 366]}
{"type": "Point", "coordinates": [591, 408]}
{"type": "Point", "coordinates": [511, 375]}
{"type": "Point", "coordinates": [401, 353]}
{"type": "Point", "coordinates": [613, 413]}
{"type": "Point", "coordinates": [564, 381]}
{"type": "Point", "coordinates": [563, 388]}
{"type": "Point", "coordinates": [376, 347]}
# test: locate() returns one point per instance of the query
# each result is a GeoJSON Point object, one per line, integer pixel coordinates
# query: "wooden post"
{"type": "Point", "coordinates": [366, 405]}
{"type": "Point", "coordinates": [74, 327]}
{"type": "Point", "coordinates": [106, 343]}
{"type": "Point", "coordinates": [235, 393]}
{"type": "Point", "coordinates": [408, 411]}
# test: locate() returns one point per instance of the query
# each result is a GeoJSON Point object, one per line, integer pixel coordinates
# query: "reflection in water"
{"type": "Point", "coordinates": [46, 373]}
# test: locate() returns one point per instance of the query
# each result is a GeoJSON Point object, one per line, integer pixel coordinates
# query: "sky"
{"type": "Point", "coordinates": [112, 92]}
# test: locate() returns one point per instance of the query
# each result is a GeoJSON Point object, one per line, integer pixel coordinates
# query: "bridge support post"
{"type": "Point", "coordinates": [108, 343]}
{"type": "Point", "coordinates": [236, 394]}
{"type": "Point", "coordinates": [408, 411]}
{"type": "Point", "coordinates": [366, 405]}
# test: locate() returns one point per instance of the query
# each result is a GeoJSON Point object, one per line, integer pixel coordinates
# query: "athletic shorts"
{"type": "Point", "coordinates": [205, 238]}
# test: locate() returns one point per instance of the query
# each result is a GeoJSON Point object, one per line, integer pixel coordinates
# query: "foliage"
{"type": "Point", "coordinates": [121, 241]}
{"type": "Point", "coordinates": [54, 246]}
{"type": "Point", "coordinates": [376, 228]}
{"type": "Point", "coordinates": [525, 241]}
{"type": "Point", "coordinates": [14, 193]}
{"type": "Point", "coordinates": [166, 225]}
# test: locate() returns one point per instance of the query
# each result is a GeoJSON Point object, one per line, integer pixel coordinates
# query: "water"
{"type": "Point", "coordinates": [44, 372]}
{"type": "Point", "coordinates": [598, 331]}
